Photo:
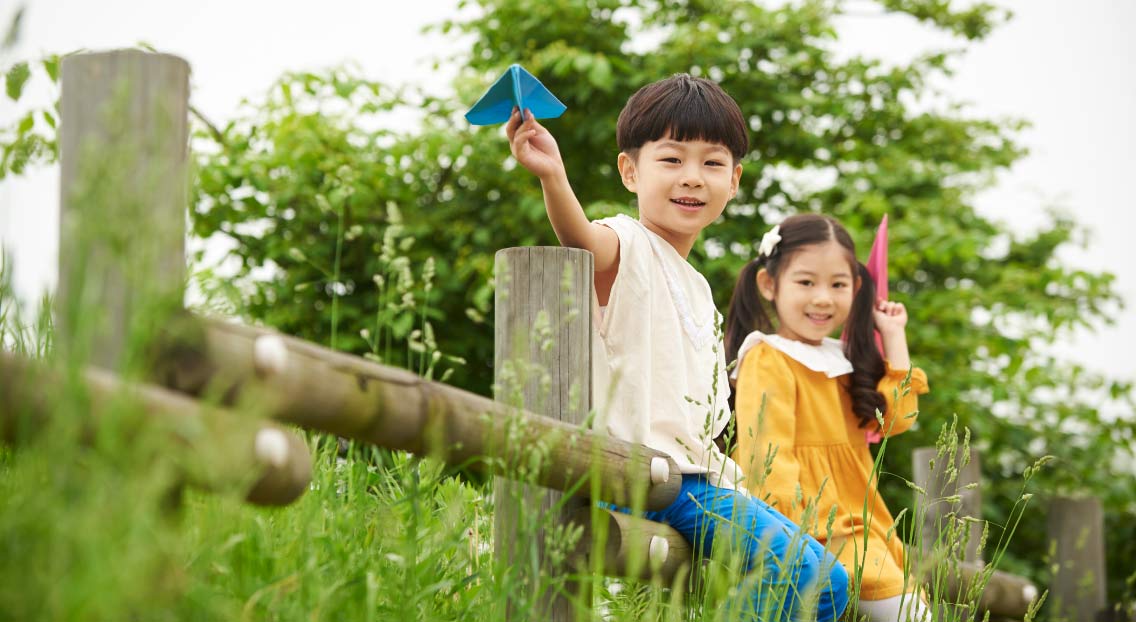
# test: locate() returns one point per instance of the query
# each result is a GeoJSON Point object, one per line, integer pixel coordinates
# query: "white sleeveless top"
{"type": "Point", "coordinates": [659, 370]}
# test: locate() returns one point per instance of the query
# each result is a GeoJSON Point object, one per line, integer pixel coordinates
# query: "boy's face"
{"type": "Point", "coordinates": [682, 186]}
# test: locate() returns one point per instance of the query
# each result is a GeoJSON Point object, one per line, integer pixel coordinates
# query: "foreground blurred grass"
{"type": "Point", "coordinates": [95, 524]}
{"type": "Point", "coordinates": [365, 543]}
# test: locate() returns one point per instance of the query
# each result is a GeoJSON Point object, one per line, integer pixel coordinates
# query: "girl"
{"type": "Point", "coordinates": [805, 403]}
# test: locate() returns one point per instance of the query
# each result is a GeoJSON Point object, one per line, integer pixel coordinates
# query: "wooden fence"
{"type": "Point", "coordinates": [139, 100]}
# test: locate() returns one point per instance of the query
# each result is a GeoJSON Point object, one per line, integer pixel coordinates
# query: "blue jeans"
{"type": "Point", "coordinates": [787, 560]}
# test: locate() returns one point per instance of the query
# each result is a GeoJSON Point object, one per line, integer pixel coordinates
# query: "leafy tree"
{"type": "Point", "coordinates": [314, 191]}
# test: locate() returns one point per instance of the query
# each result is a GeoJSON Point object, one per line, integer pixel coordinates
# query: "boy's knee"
{"type": "Point", "coordinates": [841, 582]}
{"type": "Point", "coordinates": [827, 579]}
{"type": "Point", "coordinates": [833, 592]}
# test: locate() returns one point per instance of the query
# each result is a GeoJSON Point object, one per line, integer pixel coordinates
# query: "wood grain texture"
{"type": "Point", "coordinates": [123, 151]}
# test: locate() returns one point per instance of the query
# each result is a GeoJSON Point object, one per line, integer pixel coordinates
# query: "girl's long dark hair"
{"type": "Point", "coordinates": [860, 348]}
{"type": "Point", "coordinates": [747, 311]}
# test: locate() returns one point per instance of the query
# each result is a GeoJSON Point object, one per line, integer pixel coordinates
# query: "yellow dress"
{"type": "Point", "coordinates": [820, 447]}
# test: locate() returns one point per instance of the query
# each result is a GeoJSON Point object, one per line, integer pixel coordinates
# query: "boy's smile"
{"type": "Point", "coordinates": [688, 203]}
{"type": "Point", "coordinates": [682, 186]}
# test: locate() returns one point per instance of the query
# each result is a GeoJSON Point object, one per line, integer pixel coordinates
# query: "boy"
{"type": "Point", "coordinates": [659, 366]}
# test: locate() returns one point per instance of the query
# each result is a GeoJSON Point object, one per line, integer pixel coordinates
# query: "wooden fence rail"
{"type": "Point", "coordinates": [295, 381]}
{"type": "Point", "coordinates": [952, 492]}
{"type": "Point", "coordinates": [950, 524]}
{"type": "Point", "coordinates": [278, 457]}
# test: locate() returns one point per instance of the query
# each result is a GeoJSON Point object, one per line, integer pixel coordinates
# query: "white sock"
{"type": "Point", "coordinates": [902, 608]}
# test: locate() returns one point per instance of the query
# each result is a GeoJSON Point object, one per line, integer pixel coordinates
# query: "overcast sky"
{"type": "Point", "coordinates": [1064, 66]}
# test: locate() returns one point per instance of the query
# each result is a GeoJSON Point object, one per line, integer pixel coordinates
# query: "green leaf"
{"type": "Point", "coordinates": [26, 124]}
{"type": "Point", "coordinates": [15, 79]}
{"type": "Point", "coordinates": [51, 66]}
{"type": "Point", "coordinates": [600, 74]}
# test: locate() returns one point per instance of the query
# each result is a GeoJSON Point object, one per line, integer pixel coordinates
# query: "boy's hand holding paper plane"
{"type": "Point", "coordinates": [534, 147]}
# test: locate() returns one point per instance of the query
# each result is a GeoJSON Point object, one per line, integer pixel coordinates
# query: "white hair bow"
{"type": "Point", "coordinates": [769, 242]}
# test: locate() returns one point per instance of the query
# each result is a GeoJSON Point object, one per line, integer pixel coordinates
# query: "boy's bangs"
{"type": "Point", "coordinates": [682, 108]}
{"type": "Point", "coordinates": [695, 120]}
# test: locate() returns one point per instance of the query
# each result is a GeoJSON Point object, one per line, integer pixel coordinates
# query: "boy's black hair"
{"type": "Point", "coordinates": [684, 108]}
{"type": "Point", "coordinates": [747, 308]}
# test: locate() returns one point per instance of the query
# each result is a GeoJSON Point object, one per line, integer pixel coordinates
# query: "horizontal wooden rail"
{"type": "Point", "coordinates": [637, 548]}
{"type": "Point", "coordinates": [317, 388]}
{"type": "Point", "coordinates": [632, 547]}
{"type": "Point", "coordinates": [280, 457]}
{"type": "Point", "coordinates": [1005, 595]}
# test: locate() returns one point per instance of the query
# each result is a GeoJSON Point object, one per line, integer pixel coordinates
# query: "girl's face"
{"type": "Point", "coordinates": [813, 292]}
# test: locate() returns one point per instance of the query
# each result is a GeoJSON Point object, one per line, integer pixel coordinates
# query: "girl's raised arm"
{"type": "Point", "coordinates": [902, 397]}
{"type": "Point", "coordinates": [891, 322]}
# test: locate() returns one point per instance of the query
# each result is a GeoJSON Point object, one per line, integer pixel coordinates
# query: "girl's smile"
{"type": "Point", "coordinates": [813, 294]}
{"type": "Point", "coordinates": [819, 319]}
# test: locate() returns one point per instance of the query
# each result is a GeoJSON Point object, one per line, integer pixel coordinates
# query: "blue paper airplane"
{"type": "Point", "coordinates": [515, 87]}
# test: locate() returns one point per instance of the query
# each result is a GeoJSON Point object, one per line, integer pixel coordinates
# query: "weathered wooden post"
{"type": "Point", "coordinates": [124, 160]}
{"type": "Point", "coordinates": [543, 352]}
{"type": "Point", "coordinates": [123, 151]}
{"type": "Point", "coordinates": [961, 496]}
{"type": "Point", "coordinates": [1076, 534]}
{"type": "Point", "coordinates": [1003, 594]}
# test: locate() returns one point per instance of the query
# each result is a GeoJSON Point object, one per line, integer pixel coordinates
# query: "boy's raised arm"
{"type": "Point", "coordinates": [536, 150]}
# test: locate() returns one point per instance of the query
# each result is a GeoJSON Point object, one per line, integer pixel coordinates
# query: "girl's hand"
{"type": "Point", "coordinates": [890, 317]}
{"type": "Point", "coordinates": [533, 146]}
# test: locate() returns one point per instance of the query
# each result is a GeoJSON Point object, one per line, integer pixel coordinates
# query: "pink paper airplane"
{"type": "Point", "coordinates": [878, 268]}
{"type": "Point", "coordinates": [877, 265]}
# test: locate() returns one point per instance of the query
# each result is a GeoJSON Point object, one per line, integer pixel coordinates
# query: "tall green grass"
{"type": "Point", "coordinates": [95, 524]}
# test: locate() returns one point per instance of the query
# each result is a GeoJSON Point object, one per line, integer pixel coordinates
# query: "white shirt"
{"type": "Point", "coordinates": [659, 370]}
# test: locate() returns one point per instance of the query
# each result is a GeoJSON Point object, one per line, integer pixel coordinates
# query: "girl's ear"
{"type": "Point", "coordinates": [856, 286]}
{"type": "Point", "coordinates": [765, 284]}
{"type": "Point", "coordinates": [626, 165]}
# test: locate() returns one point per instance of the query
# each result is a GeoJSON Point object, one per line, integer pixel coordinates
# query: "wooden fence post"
{"type": "Point", "coordinates": [123, 151]}
{"type": "Point", "coordinates": [1076, 534]}
{"type": "Point", "coordinates": [124, 174]}
{"type": "Point", "coordinates": [931, 472]}
{"type": "Point", "coordinates": [543, 352]}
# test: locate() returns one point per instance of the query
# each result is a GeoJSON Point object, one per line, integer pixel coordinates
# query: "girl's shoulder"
{"type": "Point", "coordinates": [827, 358]}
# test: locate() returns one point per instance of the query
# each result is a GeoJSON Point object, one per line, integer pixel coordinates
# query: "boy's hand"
{"type": "Point", "coordinates": [890, 317]}
{"type": "Point", "coordinates": [533, 146]}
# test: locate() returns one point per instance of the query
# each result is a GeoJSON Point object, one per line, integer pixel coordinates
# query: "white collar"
{"type": "Point", "coordinates": [827, 358]}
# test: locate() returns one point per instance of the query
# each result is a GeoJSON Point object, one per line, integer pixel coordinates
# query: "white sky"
{"type": "Point", "coordinates": [1065, 66]}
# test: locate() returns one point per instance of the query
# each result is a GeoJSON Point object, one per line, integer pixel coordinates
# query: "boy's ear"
{"type": "Point", "coordinates": [735, 180]}
{"type": "Point", "coordinates": [626, 165]}
{"type": "Point", "coordinates": [765, 284]}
